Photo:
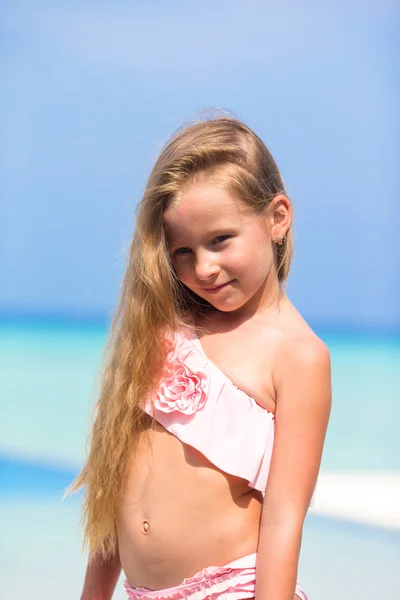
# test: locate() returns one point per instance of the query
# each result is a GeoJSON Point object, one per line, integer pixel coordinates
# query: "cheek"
{"type": "Point", "coordinates": [253, 258]}
{"type": "Point", "coordinates": [182, 269]}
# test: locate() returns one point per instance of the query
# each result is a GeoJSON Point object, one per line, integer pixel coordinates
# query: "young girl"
{"type": "Point", "coordinates": [216, 394]}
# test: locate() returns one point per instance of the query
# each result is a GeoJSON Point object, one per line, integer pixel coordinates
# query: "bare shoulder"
{"type": "Point", "coordinates": [300, 351]}
{"type": "Point", "coordinates": [302, 345]}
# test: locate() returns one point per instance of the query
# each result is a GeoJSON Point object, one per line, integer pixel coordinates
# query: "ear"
{"type": "Point", "coordinates": [280, 216]}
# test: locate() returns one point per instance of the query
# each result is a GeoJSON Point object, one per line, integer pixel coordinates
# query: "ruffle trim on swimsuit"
{"type": "Point", "coordinates": [202, 407]}
{"type": "Point", "coordinates": [234, 581]}
{"type": "Point", "coordinates": [212, 583]}
{"type": "Point", "coordinates": [199, 404]}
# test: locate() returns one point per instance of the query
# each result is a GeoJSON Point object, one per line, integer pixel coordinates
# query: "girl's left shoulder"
{"type": "Point", "coordinates": [304, 344]}
{"type": "Point", "coordinates": [301, 351]}
{"type": "Point", "coordinates": [297, 341]}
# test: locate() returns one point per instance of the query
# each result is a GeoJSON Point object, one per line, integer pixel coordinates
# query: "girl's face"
{"type": "Point", "coordinates": [219, 250]}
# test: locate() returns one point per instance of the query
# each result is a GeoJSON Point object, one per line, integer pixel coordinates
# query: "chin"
{"type": "Point", "coordinates": [227, 307]}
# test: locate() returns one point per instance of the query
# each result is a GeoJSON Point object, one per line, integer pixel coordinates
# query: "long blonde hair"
{"type": "Point", "coordinates": [152, 298]}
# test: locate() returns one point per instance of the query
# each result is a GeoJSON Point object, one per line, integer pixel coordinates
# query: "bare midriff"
{"type": "Point", "coordinates": [180, 514]}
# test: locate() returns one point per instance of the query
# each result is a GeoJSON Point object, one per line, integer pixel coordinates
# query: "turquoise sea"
{"type": "Point", "coordinates": [49, 381]}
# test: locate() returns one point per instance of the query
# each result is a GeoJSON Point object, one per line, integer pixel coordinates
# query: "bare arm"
{"type": "Point", "coordinates": [101, 578]}
{"type": "Point", "coordinates": [302, 378]}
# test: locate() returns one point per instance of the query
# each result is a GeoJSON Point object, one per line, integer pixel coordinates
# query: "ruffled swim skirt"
{"type": "Point", "coordinates": [234, 581]}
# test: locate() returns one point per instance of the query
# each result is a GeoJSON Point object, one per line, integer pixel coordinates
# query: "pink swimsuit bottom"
{"type": "Point", "coordinates": [203, 408]}
{"type": "Point", "coordinates": [234, 581]}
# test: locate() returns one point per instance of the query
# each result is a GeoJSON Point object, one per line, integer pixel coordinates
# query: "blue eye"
{"type": "Point", "coordinates": [217, 240]}
{"type": "Point", "coordinates": [220, 238]}
{"type": "Point", "coordinates": [179, 251]}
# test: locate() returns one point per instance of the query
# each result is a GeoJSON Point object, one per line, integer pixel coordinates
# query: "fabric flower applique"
{"type": "Point", "coordinates": [181, 390]}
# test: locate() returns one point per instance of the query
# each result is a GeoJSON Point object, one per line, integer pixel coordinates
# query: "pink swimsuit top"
{"type": "Point", "coordinates": [203, 408]}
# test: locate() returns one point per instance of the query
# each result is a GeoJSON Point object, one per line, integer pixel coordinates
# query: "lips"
{"type": "Point", "coordinates": [216, 288]}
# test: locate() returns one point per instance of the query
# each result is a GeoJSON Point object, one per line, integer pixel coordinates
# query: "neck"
{"type": "Point", "coordinates": [267, 299]}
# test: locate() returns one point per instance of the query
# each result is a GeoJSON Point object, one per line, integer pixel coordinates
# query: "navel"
{"type": "Point", "coordinates": [145, 526]}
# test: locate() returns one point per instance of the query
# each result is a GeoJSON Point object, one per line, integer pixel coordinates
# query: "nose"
{"type": "Point", "coordinates": [206, 267]}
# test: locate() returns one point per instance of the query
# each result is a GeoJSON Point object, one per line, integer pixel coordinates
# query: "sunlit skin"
{"type": "Point", "coordinates": [181, 514]}
{"type": "Point", "coordinates": [214, 240]}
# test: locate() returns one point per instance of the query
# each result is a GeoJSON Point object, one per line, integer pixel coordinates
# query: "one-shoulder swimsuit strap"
{"type": "Point", "coordinates": [201, 406]}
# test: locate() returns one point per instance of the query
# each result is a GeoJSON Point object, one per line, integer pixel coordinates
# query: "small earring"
{"type": "Point", "coordinates": [279, 239]}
